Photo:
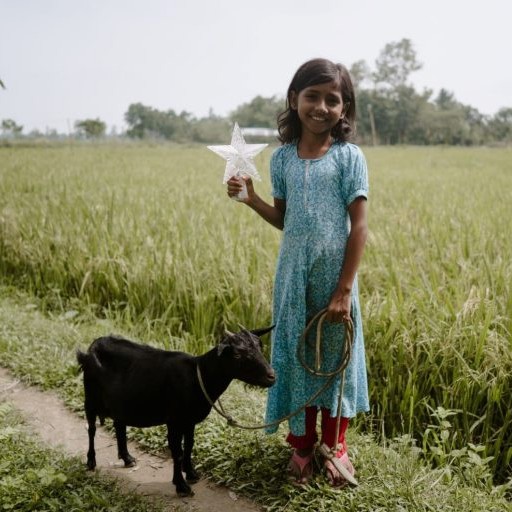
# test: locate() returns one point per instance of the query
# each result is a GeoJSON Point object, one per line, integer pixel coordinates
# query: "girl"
{"type": "Point", "coordinates": [319, 186]}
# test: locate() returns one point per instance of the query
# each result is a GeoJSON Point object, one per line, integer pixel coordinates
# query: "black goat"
{"type": "Point", "coordinates": [137, 385]}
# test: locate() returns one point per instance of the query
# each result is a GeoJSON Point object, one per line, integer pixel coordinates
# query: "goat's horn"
{"type": "Point", "coordinates": [229, 333]}
{"type": "Point", "coordinates": [243, 328]}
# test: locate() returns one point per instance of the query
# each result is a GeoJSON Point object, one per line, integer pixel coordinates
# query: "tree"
{"type": "Point", "coordinates": [91, 128]}
{"type": "Point", "coordinates": [395, 63]}
{"type": "Point", "coordinates": [445, 100]}
{"type": "Point", "coordinates": [10, 128]}
{"type": "Point", "coordinates": [360, 72]}
{"type": "Point", "coordinates": [259, 112]}
{"type": "Point", "coordinates": [146, 121]}
{"type": "Point", "coordinates": [394, 105]}
{"type": "Point", "coordinates": [212, 129]}
{"type": "Point", "coordinates": [138, 119]}
{"type": "Point", "coordinates": [500, 125]}
{"type": "Point", "coordinates": [2, 85]}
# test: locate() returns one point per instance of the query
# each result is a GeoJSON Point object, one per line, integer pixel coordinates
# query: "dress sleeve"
{"type": "Point", "coordinates": [356, 177]}
{"type": "Point", "coordinates": [277, 175]}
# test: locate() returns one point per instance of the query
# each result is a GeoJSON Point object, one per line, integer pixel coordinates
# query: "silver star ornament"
{"type": "Point", "coordinates": [239, 156]}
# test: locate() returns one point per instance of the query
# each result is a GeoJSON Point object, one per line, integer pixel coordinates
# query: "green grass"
{"type": "Point", "coordinates": [35, 478]}
{"type": "Point", "coordinates": [146, 236]}
{"type": "Point", "coordinates": [394, 476]}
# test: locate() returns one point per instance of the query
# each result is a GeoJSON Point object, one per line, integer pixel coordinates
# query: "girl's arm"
{"type": "Point", "coordinates": [339, 306]}
{"type": "Point", "coordinates": [272, 214]}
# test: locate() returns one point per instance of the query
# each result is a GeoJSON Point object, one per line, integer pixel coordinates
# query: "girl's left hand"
{"type": "Point", "coordinates": [338, 310]}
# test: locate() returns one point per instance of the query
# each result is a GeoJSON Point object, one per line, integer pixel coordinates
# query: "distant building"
{"type": "Point", "coordinates": [259, 132]}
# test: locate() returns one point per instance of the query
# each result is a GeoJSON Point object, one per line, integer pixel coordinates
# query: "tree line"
{"type": "Point", "coordinates": [389, 111]}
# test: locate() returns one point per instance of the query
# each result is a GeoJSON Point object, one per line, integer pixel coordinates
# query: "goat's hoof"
{"type": "Point", "coordinates": [192, 478]}
{"type": "Point", "coordinates": [129, 461]}
{"type": "Point", "coordinates": [182, 488]}
{"type": "Point", "coordinates": [185, 493]}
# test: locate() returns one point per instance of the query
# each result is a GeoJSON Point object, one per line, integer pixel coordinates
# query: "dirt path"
{"type": "Point", "coordinates": [47, 417]}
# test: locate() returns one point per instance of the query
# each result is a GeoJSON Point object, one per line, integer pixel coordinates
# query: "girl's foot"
{"type": "Point", "coordinates": [300, 467]}
{"type": "Point", "coordinates": [340, 471]}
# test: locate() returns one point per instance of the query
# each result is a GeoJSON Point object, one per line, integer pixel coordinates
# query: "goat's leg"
{"type": "Point", "coordinates": [187, 466]}
{"type": "Point", "coordinates": [122, 448]}
{"type": "Point", "coordinates": [91, 430]}
{"type": "Point", "coordinates": [174, 438]}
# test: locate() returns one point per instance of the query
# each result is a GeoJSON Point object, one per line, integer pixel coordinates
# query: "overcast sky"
{"type": "Point", "coordinates": [64, 60]}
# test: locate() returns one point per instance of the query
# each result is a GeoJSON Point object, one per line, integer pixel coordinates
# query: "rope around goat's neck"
{"type": "Point", "coordinates": [345, 358]}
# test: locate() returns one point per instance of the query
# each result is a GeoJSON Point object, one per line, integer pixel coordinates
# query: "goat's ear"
{"type": "Point", "coordinates": [262, 331]}
{"type": "Point", "coordinates": [224, 343]}
{"type": "Point", "coordinates": [224, 347]}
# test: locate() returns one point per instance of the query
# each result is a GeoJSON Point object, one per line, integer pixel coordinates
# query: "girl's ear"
{"type": "Point", "coordinates": [293, 100]}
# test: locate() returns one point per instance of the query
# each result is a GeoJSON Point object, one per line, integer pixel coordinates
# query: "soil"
{"type": "Point", "coordinates": [47, 417]}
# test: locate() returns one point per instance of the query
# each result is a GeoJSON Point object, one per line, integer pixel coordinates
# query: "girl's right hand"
{"type": "Point", "coordinates": [234, 186]}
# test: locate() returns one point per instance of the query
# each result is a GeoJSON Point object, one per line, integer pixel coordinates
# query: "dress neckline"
{"type": "Point", "coordinates": [335, 143]}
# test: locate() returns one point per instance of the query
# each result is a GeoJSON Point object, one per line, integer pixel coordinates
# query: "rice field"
{"type": "Point", "coordinates": [147, 234]}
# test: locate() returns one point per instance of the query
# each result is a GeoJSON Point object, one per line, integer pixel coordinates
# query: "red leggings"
{"type": "Point", "coordinates": [309, 439]}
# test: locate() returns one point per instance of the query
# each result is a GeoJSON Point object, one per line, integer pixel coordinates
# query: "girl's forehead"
{"type": "Point", "coordinates": [333, 87]}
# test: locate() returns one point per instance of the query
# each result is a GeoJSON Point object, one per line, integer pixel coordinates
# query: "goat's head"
{"type": "Point", "coordinates": [243, 356]}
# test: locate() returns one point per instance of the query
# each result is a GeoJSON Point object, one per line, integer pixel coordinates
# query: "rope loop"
{"type": "Point", "coordinates": [346, 351]}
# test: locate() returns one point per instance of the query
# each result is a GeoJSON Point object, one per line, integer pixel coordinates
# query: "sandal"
{"type": "Point", "coordinates": [300, 469]}
{"type": "Point", "coordinates": [340, 470]}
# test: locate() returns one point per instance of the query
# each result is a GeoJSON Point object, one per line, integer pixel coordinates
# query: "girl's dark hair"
{"type": "Point", "coordinates": [314, 72]}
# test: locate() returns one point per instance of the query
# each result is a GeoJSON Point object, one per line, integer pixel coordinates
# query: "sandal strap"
{"type": "Point", "coordinates": [301, 462]}
{"type": "Point", "coordinates": [341, 465]}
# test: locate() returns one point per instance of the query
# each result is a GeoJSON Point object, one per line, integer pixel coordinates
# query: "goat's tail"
{"type": "Point", "coordinates": [88, 362]}
{"type": "Point", "coordinates": [82, 359]}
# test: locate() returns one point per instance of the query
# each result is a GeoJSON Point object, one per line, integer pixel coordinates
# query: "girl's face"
{"type": "Point", "coordinates": [319, 107]}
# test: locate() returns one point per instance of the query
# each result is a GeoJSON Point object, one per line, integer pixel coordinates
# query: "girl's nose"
{"type": "Point", "coordinates": [321, 107]}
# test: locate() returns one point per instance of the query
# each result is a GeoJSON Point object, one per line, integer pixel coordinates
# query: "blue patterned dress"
{"type": "Point", "coordinates": [316, 227]}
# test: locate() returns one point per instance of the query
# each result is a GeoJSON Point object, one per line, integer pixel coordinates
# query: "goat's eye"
{"type": "Point", "coordinates": [237, 356]}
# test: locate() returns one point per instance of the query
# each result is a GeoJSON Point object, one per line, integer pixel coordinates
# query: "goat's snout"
{"type": "Point", "coordinates": [270, 377]}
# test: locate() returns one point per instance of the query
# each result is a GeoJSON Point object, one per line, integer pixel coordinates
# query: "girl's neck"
{"type": "Point", "coordinates": [313, 147]}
